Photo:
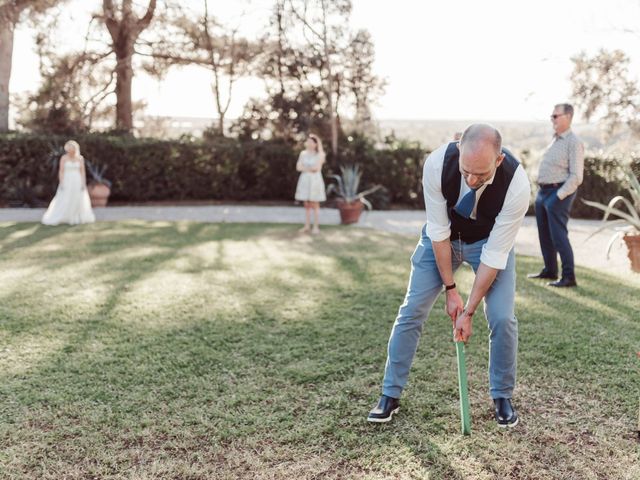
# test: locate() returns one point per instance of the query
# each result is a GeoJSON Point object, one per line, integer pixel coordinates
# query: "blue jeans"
{"type": "Point", "coordinates": [552, 216]}
{"type": "Point", "coordinates": [424, 287]}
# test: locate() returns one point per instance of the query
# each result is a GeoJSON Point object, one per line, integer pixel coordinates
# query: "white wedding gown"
{"type": "Point", "coordinates": [71, 203]}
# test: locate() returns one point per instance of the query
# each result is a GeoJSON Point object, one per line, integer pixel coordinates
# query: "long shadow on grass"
{"type": "Point", "coordinates": [116, 272]}
{"type": "Point", "coordinates": [282, 389]}
{"type": "Point", "coordinates": [26, 235]}
{"type": "Point", "coordinates": [215, 380]}
{"type": "Point", "coordinates": [592, 325]}
{"type": "Point", "coordinates": [590, 336]}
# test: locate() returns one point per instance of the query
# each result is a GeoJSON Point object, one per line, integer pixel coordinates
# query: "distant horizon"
{"type": "Point", "coordinates": [390, 119]}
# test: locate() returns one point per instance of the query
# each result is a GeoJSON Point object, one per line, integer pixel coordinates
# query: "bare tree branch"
{"type": "Point", "coordinates": [144, 22]}
{"type": "Point", "coordinates": [179, 60]}
{"type": "Point", "coordinates": [303, 19]}
{"type": "Point", "coordinates": [109, 18]}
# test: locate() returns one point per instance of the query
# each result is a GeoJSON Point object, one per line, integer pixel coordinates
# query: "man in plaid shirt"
{"type": "Point", "coordinates": [560, 174]}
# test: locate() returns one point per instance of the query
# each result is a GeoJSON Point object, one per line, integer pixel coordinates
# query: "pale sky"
{"type": "Point", "coordinates": [454, 59]}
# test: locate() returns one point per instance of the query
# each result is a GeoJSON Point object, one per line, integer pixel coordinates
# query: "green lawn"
{"type": "Point", "coordinates": [202, 351]}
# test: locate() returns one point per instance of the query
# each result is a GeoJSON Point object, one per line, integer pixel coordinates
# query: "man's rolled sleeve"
{"type": "Point", "coordinates": [495, 252]}
{"type": "Point", "coordinates": [437, 233]}
{"type": "Point", "coordinates": [494, 258]}
{"type": "Point", "coordinates": [438, 223]}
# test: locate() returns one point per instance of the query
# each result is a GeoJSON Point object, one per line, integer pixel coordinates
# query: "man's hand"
{"type": "Point", "coordinates": [454, 305]}
{"type": "Point", "coordinates": [463, 328]}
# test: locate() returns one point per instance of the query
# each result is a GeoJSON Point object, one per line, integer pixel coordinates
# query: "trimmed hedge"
{"type": "Point", "coordinates": [221, 169]}
{"type": "Point", "coordinates": [149, 169]}
{"type": "Point", "coordinates": [228, 169]}
{"type": "Point", "coordinates": [602, 181]}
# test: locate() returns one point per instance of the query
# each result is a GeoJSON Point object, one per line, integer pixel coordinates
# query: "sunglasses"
{"type": "Point", "coordinates": [556, 115]}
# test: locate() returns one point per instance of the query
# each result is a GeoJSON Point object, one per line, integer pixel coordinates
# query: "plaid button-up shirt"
{"type": "Point", "coordinates": [563, 162]}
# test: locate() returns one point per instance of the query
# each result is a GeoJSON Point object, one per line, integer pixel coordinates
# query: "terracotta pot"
{"type": "Point", "coordinates": [350, 212]}
{"type": "Point", "coordinates": [633, 245]}
{"type": "Point", "coordinates": [99, 194]}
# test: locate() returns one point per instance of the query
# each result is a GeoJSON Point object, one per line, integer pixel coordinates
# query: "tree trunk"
{"type": "Point", "coordinates": [124, 81]}
{"type": "Point", "coordinates": [221, 124]}
{"type": "Point", "coordinates": [7, 28]}
{"type": "Point", "coordinates": [333, 121]}
{"type": "Point", "coordinates": [124, 34]}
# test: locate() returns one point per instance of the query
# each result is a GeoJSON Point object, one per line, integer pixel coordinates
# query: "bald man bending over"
{"type": "Point", "coordinates": [476, 196]}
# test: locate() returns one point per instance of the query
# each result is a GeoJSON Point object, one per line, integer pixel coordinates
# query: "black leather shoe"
{"type": "Point", "coordinates": [506, 416]}
{"type": "Point", "coordinates": [564, 282]}
{"type": "Point", "coordinates": [543, 275]}
{"type": "Point", "coordinates": [384, 410]}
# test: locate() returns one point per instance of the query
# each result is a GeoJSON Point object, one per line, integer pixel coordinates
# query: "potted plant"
{"type": "Point", "coordinates": [350, 201]}
{"type": "Point", "coordinates": [627, 226]}
{"type": "Point", "coordinates": [99, 187]}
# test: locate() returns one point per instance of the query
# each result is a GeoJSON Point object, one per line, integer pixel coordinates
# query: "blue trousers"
{"type": "Point", "coordinates": [552, 216]}
{"type": "Point", "coordinates": [424, 287]}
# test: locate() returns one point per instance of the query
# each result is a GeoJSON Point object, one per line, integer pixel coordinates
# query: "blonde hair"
{"type": "Point", "coordinates": [318, 143]}
{"type": "Point", "coordinates": [74, 144]}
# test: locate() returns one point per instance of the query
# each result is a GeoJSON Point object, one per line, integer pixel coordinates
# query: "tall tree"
{"type": "Point", "coordinates": [302, 91]}
{"type": "Point", "coordinates": [11, 12]}
{"type": "Point", "coordinates": [322, 23]}
{"type": "Point", "coordinates": [359, 79]}
{"type": "Point", "coordinates": [296, 102]}
{"type": "Point", "coordinates": [125, 27]}
{"type": "Point", "coordinates": [604, 90]}
{"type": "Point", "coordinates": [193, 36]}
{"type": "Point", "coordinates": [228, 56]}
{"type": "Point", "coordinates": [72, 92]}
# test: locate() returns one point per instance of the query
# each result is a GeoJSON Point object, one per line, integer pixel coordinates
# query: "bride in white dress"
{"type": "Point", "coordinates": [71, 203]}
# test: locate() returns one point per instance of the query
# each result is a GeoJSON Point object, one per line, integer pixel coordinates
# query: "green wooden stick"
{"type": "Point", "coordinates": [464, 391]}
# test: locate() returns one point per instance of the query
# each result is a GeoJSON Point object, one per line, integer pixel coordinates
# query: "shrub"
{"type": "Point", "coordinates": [230, 169]}
{"type": "Point", "coordinates": [602, 181]}
{"type": "Point", "coordinates": [150, 169]}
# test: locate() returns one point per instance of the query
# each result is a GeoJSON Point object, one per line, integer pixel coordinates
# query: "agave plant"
{"type": "Point", "coordinates": [348, 183]}
{"type": "Point", "coordinates": [628, 221]}
{"type": "Point", "coordinates": [97, 173]}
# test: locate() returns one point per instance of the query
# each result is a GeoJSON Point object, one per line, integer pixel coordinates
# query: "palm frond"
{"type": "Point", "coordinates": [340, 190]}
{"type": "Point", "coordinates": [634, 190]}
{"type": "Point", "coordinates": [366, 203]}
{"type": "Point", "coordinates": [619, 213]}
{"type": "Point", "coordinates": [617, 236]}
{"type": "Point", "coordinates": [609, 224]}
{"type": "Point", "coordinates": [627, 203]}
{"type": "Point", "coordinates": [370, 191]}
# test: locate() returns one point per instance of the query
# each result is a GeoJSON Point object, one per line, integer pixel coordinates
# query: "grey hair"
{"type": "Point", "coordinates": [566, 108]}
{"type": "Point", "coordinates": [480, 133]}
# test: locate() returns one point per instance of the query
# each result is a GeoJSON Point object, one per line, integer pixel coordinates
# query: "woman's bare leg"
{"type": "Point", "coordinates": [316, 217]}
{"type": "Point", "coordinates": [307, 214]}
